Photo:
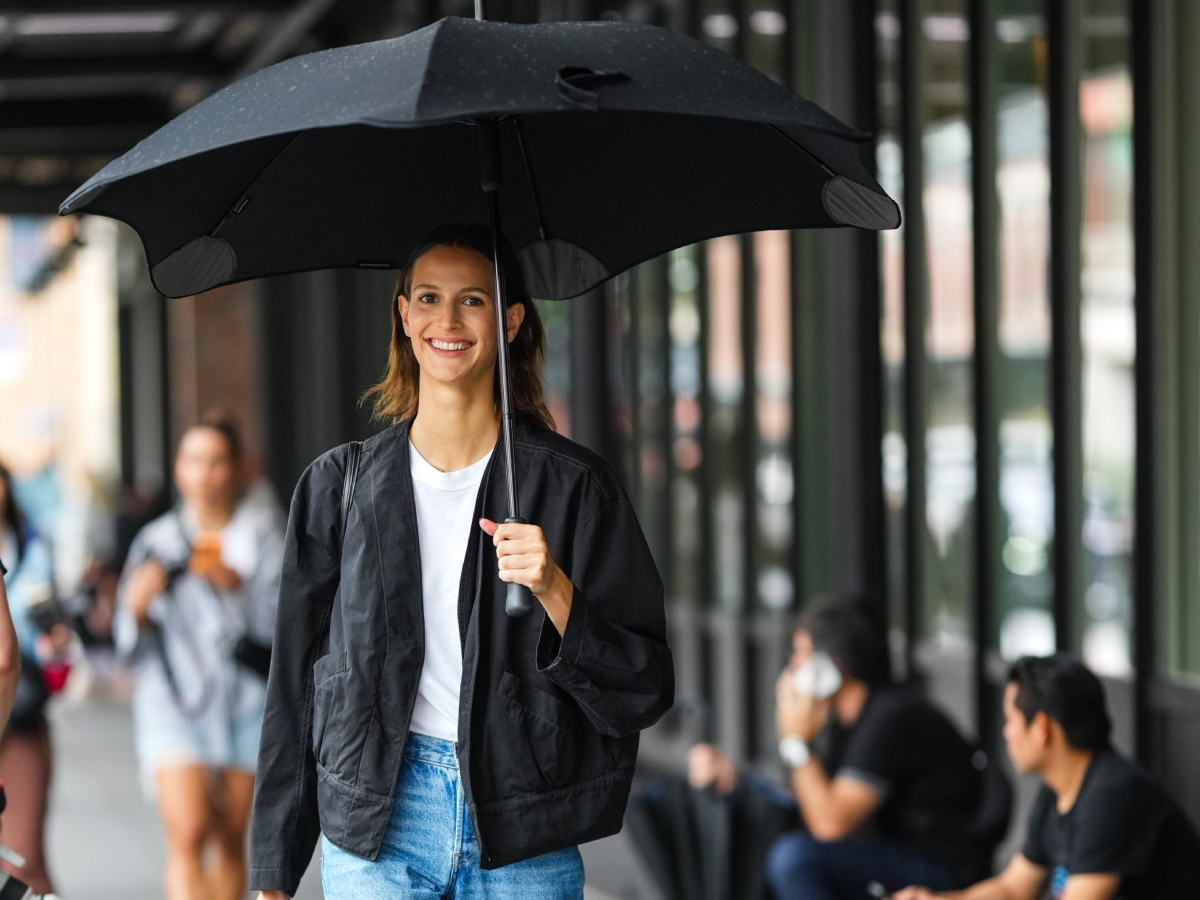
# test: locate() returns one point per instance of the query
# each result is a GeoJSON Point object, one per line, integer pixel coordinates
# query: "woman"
{"type": "Point", "coordinates": [443, 748]}
{"type": "Point", "coordinates": [25, 751]}
{"type": "Point", "coordinates": [201, 582]}
{"type": "Point", "coordinates": [10, 654]}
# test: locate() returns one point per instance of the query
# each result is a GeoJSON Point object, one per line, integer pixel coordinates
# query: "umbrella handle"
{"type": "Point", "coordinates": [518, 603]}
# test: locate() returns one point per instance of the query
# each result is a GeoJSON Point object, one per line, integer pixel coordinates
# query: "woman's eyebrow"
{"type": "Point", "coordinates": [478, 290]}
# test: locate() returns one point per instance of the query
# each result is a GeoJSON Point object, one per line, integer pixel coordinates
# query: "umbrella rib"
{"type": "Point", "coordinates": [537, 207]}
{"type": "Point", "coordinates": [791, 140]}
{"type": "Point", "coordinates": [245, 195]}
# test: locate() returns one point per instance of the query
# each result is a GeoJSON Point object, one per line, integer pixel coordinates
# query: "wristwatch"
{"type": "Point", "coordinates": [794, 751]}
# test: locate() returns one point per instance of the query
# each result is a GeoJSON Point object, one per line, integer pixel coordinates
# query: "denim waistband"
{"type": "Point", "coordinates": [429, 749]}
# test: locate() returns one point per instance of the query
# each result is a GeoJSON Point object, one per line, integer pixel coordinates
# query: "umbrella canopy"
{"type": "Point", "coordinates": [618, 142]}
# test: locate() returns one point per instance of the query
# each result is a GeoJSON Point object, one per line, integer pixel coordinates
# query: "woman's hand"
{"type": "Point", "coordinates": [525, 558]}
{"type": "Point", "coordinates": [147, 583]}
{"type": "Point", "coordinates": [272, 895]}
{"type": "Point", "coordinates": [222, 577]}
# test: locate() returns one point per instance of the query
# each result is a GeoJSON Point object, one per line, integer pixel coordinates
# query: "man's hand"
{"type": "Point", "coordinates": [914, 893]}
{"type": "Point", "coordinates": [708, 766]}
{"type": "Point", "coordinates": [524, 558]}
{"type": "Point", "coordinates": [796, 714]}
{"type": "Point", "coordinates": [146, 583]}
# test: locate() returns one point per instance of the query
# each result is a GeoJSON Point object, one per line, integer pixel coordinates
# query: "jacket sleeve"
{"type": "Point", "coordinates": [284, 826]}
{"type": "Point", "coordinates": [613, 657]}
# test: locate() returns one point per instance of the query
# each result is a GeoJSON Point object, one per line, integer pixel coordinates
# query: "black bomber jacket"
{"type": "Point", "coordinates": [548, 726]}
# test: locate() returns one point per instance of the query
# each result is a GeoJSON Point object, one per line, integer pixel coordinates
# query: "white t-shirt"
{"type": "Point", "coordinates": [445, 520]}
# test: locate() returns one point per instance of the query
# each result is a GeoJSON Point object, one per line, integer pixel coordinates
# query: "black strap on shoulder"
{"type": "Point", "coordinates": [353, 456]}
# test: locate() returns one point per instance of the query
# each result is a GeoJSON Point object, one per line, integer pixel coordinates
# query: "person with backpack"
{"type": "Point", "coordinates": [195, 614]}
{"type": "Point", "coordinates": [25, 748]}
{"type": "Point", "coordinates": [443, 748]}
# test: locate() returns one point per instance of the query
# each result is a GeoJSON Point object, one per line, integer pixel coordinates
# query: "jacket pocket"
{"type": "Point", "coordinates": [532, 739]}
{"type": "Point", "coordinates": [325, 683]}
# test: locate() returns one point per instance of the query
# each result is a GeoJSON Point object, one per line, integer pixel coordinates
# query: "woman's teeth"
{"type": "Point", "coordinates": [447, 345]}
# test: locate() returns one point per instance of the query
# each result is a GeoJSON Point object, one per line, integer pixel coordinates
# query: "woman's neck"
{"type": "Point", "coordinates": [212, 516]}
{"type": "Point", "coordinates": [454, 428]}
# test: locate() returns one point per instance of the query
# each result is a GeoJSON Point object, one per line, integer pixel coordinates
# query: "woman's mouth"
{"type": "Point", "coordinates": [444, 346]}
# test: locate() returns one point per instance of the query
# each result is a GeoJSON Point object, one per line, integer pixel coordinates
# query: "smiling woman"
{"type": "Point", "coordinates": [439, 745]}
{"type": "Point", "coordinates": [468, 250]}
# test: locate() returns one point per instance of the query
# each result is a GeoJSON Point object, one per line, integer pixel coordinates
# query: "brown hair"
{"type": "Point", "coordinates": [11, 513]}
{"type": "Point", "coordinates": [223, 424]}
{"type": "Point", "coordinates": [396, 396]}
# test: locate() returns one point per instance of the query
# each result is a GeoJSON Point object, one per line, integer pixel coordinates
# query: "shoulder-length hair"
{"type": "Point", "coordinates": [11, 514]}
{"type": "Point", "coordinates": [396, 396]}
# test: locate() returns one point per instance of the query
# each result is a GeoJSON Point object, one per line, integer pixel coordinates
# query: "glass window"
{"type": "Point", "coordinates": [1179, 608]}
{"type": "Point", "coordinates": [949, 337]}
{"type": "Point", "coordinates": [556, 373]}
{"type": "Point", "coordinates": [687, 450]}
{"type": "Point", "coordinates": [774, 478]}
{"type": "Point", "coordinates": [1025, 590]}
{"type": "Point", "coordinates": [889, 168]}
{"type": "Point", "coordinates": [1104, 624]}
{"type": "Point", "coordinates": [653, 423]}
{"type": "Point", "coordinates": [766, 34]}
{"type": "Point", "coordinates": [725, 465]}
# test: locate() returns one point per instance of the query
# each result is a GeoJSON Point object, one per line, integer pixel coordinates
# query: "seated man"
{"type": "Point", "coordinates": [884, 782]}
{"type": "Point", "coordinates": [1100, 828]}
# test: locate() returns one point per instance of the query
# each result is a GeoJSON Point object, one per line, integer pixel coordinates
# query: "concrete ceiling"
{"type": "Point", "coordinates": [82, 81]}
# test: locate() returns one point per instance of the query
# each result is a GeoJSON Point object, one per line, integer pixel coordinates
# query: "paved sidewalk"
{"type": "Point", "coordinates": [105, 840]}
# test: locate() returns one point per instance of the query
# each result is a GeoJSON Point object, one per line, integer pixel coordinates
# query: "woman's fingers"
{"type": "Point", "coordinates": [509, 531]}
{"type": "Point", "coordinates": [521, 561]}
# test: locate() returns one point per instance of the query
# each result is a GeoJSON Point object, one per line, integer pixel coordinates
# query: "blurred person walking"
{"type": "Point", "coordinates": [10, 654]}
{"type": "Point", "coordinates": [196, 611]}
{"type": "Point", "coordinates": [25, 749]}
{"type": "Point", "coordinates": [444, 748]}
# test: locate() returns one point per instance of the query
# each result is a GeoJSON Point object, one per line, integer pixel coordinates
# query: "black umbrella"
{"type": "Point", "coordinates": [609, 143]}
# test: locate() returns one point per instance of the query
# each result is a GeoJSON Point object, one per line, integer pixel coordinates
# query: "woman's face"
{"type": "Point", "coordinates": [451, 316]}
{"type": "Point", "coordinates": [205, 471]}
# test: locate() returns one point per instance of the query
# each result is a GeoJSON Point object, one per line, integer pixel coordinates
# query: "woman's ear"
{"type": "Point", "coordinates": [402, 306]}
{"type": "Point", "coordinates": [516, 315]}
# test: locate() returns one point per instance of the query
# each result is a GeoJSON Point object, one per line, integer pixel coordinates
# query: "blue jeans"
{"type": "Point", "coordinates": [799, 867]}
{"type": "Point", "coordinates": [429, 850]}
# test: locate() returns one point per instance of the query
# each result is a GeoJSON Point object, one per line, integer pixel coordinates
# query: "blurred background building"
{"type": "Point", "coordinates": [988, 421]}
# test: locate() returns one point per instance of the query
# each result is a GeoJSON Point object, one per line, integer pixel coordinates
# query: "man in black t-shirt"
{"type": "Point", "coordinates": [884, 782]}
{"type": "Point", "coordinates": [1100, 828]}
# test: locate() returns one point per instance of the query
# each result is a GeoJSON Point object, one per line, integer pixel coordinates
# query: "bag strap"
{"type": "Point", "coordinates": [353, 456]}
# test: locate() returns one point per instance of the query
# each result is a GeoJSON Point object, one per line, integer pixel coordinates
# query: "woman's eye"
{"type": "Point", "coordinates": [428, 298]}
{"type": "Point", "coordinates": [473, 301]}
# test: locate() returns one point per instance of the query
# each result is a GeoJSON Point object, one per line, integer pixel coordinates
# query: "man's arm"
{"type": "Point", "coordinates": [832, 807]}
{"type": "Point", "coordinates": [1020, 880]}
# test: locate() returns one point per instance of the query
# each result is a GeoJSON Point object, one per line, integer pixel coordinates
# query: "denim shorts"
{"type": "Point", "coordinates": [429, 850]}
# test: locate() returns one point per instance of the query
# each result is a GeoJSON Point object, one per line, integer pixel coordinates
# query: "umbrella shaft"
{"type": "Point", "coordinates": [502, 353]}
